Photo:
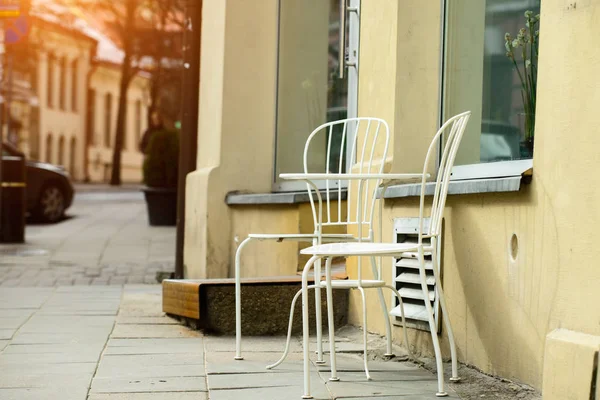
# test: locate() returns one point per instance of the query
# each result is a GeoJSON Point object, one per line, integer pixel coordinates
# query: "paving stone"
{"type": "Point", "coordinates": [135, 279]}
{"type": "Point", "coordinates": [150, 396]}
{"type": "Point", "coordinates": [100, 281]}
{"type": "Point", "coordinates": [61, 338]}
{"type": "Point", "coordinates": [224, 363]}
{"type": "Point", "coordinates": [12, 322]}
{"type": "Point", "coordinates": [118, 280]}
{"type": "Point", "coordinates": [82, 281]}
{"type": "Point", "coordinates": [28, 380]}
{"type": "Point", "coordinates": [7, 333]}
{"type": "Point", "coordinates": [135, 360]}
{"type": "Point", "coordinates": [64, 281]}
{"type": "Point", "coordinates": [251, 344]}
{"type": "Point", "coordinates": [124, 385]}
{"type": "Point", "coordinates": [48, 369]}
{"type": "Point", "coordinates": [113, 366]}
{"type": "Point", "coordinates": [153, 331]}
{"type": "Point", "coordinates": [251, 380]}
{"type": "Point", "coordinates": [49, 358]}
{"type": "Point", "coordinates": [155, 346]}
{"type": "Point", "coordinates": [147, 320]}
{"type": "Point", "coordinates": [386, 384]}
{"type": "Point", "coordinates": [271, 393]}
{"type": "Point", "coordinates": [54, 348]}
{"type": "Point", "coordinates": [64, 393]}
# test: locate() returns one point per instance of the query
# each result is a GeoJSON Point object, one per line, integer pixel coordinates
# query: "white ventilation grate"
{"type": "Point", "coordinates": [408, 281]}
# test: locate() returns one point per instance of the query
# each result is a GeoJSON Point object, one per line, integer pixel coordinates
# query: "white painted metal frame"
{"type": "Point", "coordinates": [376, 136]}
{"type": "Point", "coordinates": [455, 127]}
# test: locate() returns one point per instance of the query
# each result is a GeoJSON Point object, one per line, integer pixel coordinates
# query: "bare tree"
{"type": "Point", "coordinates": [141, 27]}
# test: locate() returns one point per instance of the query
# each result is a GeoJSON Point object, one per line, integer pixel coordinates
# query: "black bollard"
{"type": "Point", "coordinates": [12, 214]}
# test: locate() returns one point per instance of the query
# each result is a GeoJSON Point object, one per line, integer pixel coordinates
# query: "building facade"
{"type": "Point", "coordinates": [518, 261]}
{"type": "Point", "coordinates": [65, 105]}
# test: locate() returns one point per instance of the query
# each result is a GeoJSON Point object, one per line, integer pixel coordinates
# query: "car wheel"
{"type": "Point", "coordinates": [51, 205]}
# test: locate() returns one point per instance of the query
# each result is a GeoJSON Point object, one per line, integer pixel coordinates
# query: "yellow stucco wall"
{"type": "Point", "coordinates": [236, 125]}
{"type": "Point", "coordinates": [56, 123]}
{"type": "Point", "coordinates": [105, 79]}
{"type": "Point", "coordinates": [502, 309]}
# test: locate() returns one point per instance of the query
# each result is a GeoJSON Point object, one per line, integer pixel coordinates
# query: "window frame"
{"type": "Point", "coordinates": [108, 100]}
{"type": "Point", "coordinates": [485, 170]}
{"type": "Point", "coordinates": [74, 84]}
{"type": "Point", "coordinates": [353, 42]}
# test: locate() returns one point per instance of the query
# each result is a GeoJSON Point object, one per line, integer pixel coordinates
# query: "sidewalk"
{"type": "Point", "coordinates": [106, 241]}
{"type": "Point", "coordinates": [114, 343]}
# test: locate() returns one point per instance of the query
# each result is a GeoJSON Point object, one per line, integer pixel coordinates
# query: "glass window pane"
{"type": "Point", "coordinates": [309, 90]}
{"type": "Point", "coordinates": [481, 77]}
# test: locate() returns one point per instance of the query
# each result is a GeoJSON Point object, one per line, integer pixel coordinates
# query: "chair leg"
{"type": "Point", "coordinates": [404, 328]}
{"type": "Point", "coordinates": [331, 322]}
{"type": "Point", "coordinates": [238, 301]}
{"type": "Point", "coordinates": [305, 343]}
{"type": "Point", "coordinates": [432, 327]}
{"type": "Point", "coordinates": [364, 310]}
{"type": "Point", "coordinates": [386, 315]}
{"type": "Point", "coordinates": [318, 314]}
{"type": "Point", "coordinates": [447, 324]}
{"type": "Point", "coordinates": [289, 333]}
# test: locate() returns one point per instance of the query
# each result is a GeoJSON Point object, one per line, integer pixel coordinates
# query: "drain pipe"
{"type": "Point", "coordinates": [189, 121]}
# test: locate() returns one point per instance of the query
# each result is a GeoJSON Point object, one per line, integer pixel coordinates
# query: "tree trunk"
{"type": "Point", "coordinates": [115, 177]}
{"type": "Point", "coordinates": [126, 76]}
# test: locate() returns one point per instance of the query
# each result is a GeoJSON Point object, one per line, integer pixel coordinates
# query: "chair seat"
{"type": "Point", "coordinates": [361, 249]}
{"type": "Point", "coordinates": [301, 236]}
{"type": "Point", "coordinates": [353, 283]}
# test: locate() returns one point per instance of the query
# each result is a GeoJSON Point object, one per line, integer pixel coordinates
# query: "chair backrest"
{"type": "Point", "coordinates": [455, 127]}
{"type": "Point", "coordinates": [367, 155]}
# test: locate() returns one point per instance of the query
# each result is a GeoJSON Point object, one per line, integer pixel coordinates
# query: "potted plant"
{"type": "Point", "coordinates": [527, 40]}
{"type": "Point", "coordinates": [160, 176]}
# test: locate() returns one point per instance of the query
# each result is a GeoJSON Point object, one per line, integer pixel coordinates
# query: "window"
{"type": "Point", "coordinates": [479, 76]}
{"type": "Point", "coordinates": [72, 153]}
{"type": "Point", "coordinates": [74, 82]}
{"type": "Point", "coordinates": [91, 117]}
{"type": "Point", "coordinates": [62, 83]}
{"type": "Point", "coordinates": [49, 148]}
{"type": "Point", "coordinates": [107, 119]}
{"type": "Point", "coordinates": [309, 91]}
{"type": "Point", "coordinates": [138, 121]}
{"type": "Point", "coordinates": [61, 150]}
{"type": "Point", "coordinates": [50, 79]}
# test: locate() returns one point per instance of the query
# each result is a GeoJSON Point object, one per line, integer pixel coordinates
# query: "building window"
{"type": "Point", "coordinates": [72, 153]}
{"type": "Point", "coordinates": [107, 119]}
{"type": "Point", "coordinates": [61, 150]}
{"type": "Point", "coordinates": [138, 121]}
{"type": "Point", "coordinates": [91, 117]}
{"type": "Point", "coordinates": [62, 83]}
{"type": "Point", "coordinates": [309, 91]}
{"type": "Point", "coordinates": [49, 148]}
{"type": "Point", "coordinates": [50, 81]}
{"type": "Point", "coordinates": [74, 82]}
{"type": "Point", "coordinates": [479, 76]}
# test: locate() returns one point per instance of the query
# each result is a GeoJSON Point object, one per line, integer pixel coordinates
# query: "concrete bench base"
{"type": "Point", "coordinates": [210, 304]}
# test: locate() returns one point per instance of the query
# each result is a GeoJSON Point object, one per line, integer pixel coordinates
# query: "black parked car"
{"type": "Point", "coordinates": [49, 188]}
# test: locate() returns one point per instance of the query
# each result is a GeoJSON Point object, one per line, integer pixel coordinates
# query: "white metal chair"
{"type": "Point", "coordinates": [455, 127]}
{"type": "Point", "coordinates": [376, 137]}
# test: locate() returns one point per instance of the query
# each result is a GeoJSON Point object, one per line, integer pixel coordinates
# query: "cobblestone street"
{"type": "Point", "coordinates": [106, 240]}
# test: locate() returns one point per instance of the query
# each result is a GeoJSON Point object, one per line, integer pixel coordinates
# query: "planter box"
{"type": "Point", "coordinates": [162, 206]}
